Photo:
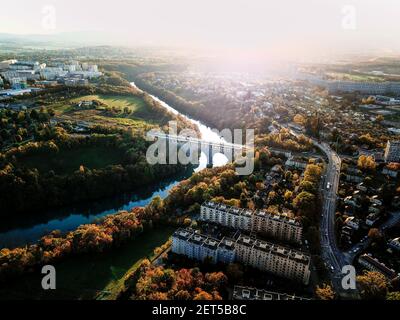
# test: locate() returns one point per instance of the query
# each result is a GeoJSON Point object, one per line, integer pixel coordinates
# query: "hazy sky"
{"type": "Point", "coordinates": [282, 27]}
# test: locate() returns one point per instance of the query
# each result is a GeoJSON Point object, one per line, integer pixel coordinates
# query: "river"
{"type": "Point", "coordinates": [17, 232]}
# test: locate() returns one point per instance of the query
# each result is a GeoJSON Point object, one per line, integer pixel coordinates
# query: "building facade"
{"type": "Point", "coordinates": [273, 225]}
{"type": "Point", "coordinates": [373, 264]}
{"type": "Point", "coordinates": [392, 152]}
{"type": "Point", "coordinates": [259, 254]}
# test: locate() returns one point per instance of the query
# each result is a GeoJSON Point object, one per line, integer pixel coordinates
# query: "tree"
{"type": "Point", "coordinates": [305, 202]}
{"type": "Point", "coordinates": [325, 292]}
{"type": "Point", "coordinates": [288, 195]}
{"type": "Point", "coordinates": [393, 295]}
{"type": "Point", "coordinates": [380, 118]}
{"type": "Point", "coordinates": [203, 295]}
{"type": "Point", "coordinates": [373, 285]}
{"type": "Point", "coordinates": [299, 119]}
{"type": "Point", "coordinates": [374, 234]}
{"type": "Point", "coordinates": [366, 162]}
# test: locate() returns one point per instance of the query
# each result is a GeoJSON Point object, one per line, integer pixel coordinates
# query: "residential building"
{"type": "Point", "coordinates": [373, 264]}
{"type": "Point", "coordinates": [278, 226]}
{"type": "Point", "coordinates": [227, 216]}
{"type": "Point", "coordinates": [259, 254]}
{"type": "Point", "coordinates": [276, 259]}
{"type": "Point", "coordinates": [392, 152]}
{"type": "Point", "coordinates": [372, 218]}
{"type": "Point", "coordinates": [353, 223]}
{"type": "Point", "coordinates": [296, 163]}
{"type": "Point", "coordinates": [199, 247]}
{"type": "Point", "coordinates": [390, 172]}
{"type": "Point", "coordinates": [247, 293]}
{"type": "Point", "coordinates": [394, 244]}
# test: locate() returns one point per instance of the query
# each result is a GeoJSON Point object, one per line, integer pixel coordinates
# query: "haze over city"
{"type": "Point", "coordinates": [255, 29]}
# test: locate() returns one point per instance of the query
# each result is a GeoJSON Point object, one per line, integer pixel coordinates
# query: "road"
{"type": "Point", "coordinates": [334, 258]}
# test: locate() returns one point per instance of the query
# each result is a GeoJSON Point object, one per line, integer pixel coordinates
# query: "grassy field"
{"type": "Point", "coordinates": [87, 277]}
{"type": "Point", "coordinates": [68, 161]}
{"type": "Point", "coordinates": [138, 115]}
{"type": "Point", "coordinates": [355, 77]}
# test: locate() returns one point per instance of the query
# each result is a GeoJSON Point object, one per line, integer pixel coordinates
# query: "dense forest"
{"type": "Point", "coordinates": [34, 188]}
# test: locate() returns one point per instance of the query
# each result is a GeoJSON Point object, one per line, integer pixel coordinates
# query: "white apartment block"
{"type": "Point", "coordinates": [392, 152]}
{"type": "Point", "coordinates": [199, 247]}
{"type": "Point", "coordinates": [274, 225]}
{"type": "Point", "coordinates": [262, 255]}
{"type": "Point", "coordinates": [227, 216]}
{"type": "Point", "coordinates": [276, 259]}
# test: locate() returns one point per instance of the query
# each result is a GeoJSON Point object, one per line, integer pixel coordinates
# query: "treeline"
{"type": "Point", "coordinates": [195, 110]}
{"type": "Point", "coordinates": [112, 231]}
{"type": "Point", "coordinates": [16, 126]}
{"type": "Point", "coordinates": [285, 140]}
{"type": "Point", "coordinates": [157, 283]}
{"type": "Point", "coordinates": [32, 190]}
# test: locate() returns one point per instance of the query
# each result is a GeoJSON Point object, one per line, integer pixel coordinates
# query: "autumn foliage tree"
{"type": "Point", "coordinates": [373, 285]}
{"type": "Point", "coordinates": [325, 292]}
{"type": "Point", "coordinates": [158, 283]}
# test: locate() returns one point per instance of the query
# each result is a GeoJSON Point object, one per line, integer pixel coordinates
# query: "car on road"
{"type": "Point", "coordinates": [328, 186]}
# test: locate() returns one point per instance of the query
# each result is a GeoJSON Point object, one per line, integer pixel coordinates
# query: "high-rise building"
{"type": "Point", "coordinates": [392, 152]}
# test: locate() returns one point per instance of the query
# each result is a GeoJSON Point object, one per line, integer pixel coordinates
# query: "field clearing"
{"type": "Point", "coordinates": [355, 77]}
{"type": "Point", "coordinates": [68, 161]}
{"type": "Point", "coordinates": [138, 115]}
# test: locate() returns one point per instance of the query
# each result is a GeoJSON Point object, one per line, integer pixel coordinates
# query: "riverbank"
{"type": "Point", "coordinates": [86, 277]}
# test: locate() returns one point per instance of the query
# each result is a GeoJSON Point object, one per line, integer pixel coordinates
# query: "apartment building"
{"type": "Point", "coordinates": [392, 152]}
{"type": "Point", "coordinates": [394, 244]}
{"type": "Point", "coordinates": [296, 163]}
{"type": "Point", "coordinates": [273, 225]}
{"type": "Point", "coordinates": [248, 293]}
{"type": "Point", "coordinates": [374, 264]}
{"type": "Point", "coordinates": [259, 254]}
{"type": "Point", "coordinates": [227, 216]}
{"type": "Point", "coordinates": [279, 260]}
{"type": "Point", "coordinates": [199, 247]}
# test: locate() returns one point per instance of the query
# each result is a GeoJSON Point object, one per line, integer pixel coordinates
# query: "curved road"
{"type": "Point", "coordinates": [334, 258]}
